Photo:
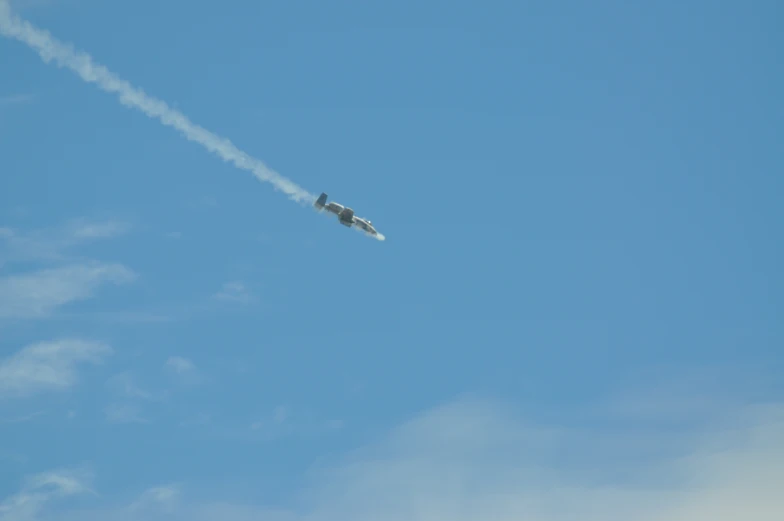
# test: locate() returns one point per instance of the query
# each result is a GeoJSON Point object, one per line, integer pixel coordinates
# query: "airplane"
{"type": "Point", "coordinates": [345, 215]}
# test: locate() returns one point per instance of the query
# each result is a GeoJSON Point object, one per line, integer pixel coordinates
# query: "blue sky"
{"type": "Point", "coordinates": [575, 313]}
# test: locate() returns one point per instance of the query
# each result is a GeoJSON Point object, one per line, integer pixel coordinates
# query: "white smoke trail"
{"type": "Point", "coordinates": [50, 49]}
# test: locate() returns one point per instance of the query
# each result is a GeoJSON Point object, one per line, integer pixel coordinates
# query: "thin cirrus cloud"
{"type": "Point", "coordinates": [54, 243]}
{"type": "Point", "coordinates": [472, 460]}
{"type": "Point", "coordinates": [82, 230]}
{"type": "Point", "coordinates": [234, 291]}
{"type": "Point", "coordinates": [125, 385]}
{"type": "Point", "coordinates": [133, 400]}
{"type": "Point", "coordinates": [180, 365]}
{"type": "Point", "coordinates": [38, 294]}
{"type": "Point", "coordinates": [15, 99]}
{"type": "Point", "coordinates": [130, 396]}
{"type": "Point", "coordinates": [125, 413]}
{"type": "Point", "coordinates": [41, 490]}
{"type": "Point", "coordinates": [184, 371]}
{"type": "Point", "coordinates": [48, 366]}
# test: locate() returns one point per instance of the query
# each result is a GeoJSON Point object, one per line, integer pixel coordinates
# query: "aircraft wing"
{"type": "Point", "coordinates": [347, 215]}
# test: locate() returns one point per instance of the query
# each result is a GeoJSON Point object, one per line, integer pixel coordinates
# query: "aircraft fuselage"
{"type": "Point", "coordinates": [345, 215]}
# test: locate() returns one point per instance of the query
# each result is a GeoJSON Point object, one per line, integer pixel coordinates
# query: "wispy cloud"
{"type": "Point", "coordinates": [125, 413]}
{"type": "Point", "coordinates": [16, 99]}
{"type": "Point", "coordinates": [197, 419]}
{"type": "Point", "coordinates": [54, 244]}
{"type": "Point", "coordinates": [48, 366]}
{"type": "Point", "coordinates": [284, 421]}
{"type": "Point", "coordinates": [40, 491]}
{"type": "Point", "coordinates": [276, 424]}
{"type": "Point", "coordinates": [157, 500]}
{"type": "Point", "coordinates": [93, 230]}
{"type": "Point", "coordinates": [24, 418]}
{"type": "Point", "coordinates": [29, 4]}
{"type": "Point", "coordinates": [234, 292]}
{"type": "Point", "coordinates": [13, 457]}
{"type": "Point", "coordinates": [475, 460]}
{"type": "Point", "coordinates": [118, 317]}
{"type": "Point", "coordinates": [50, 49]}
{"type": "Point", "coordinates": [180, 365]}
{"type": "Point", "coordinates": [184, 371]}
{"type": "Point", "coordinates": [37, 294]}
{"type": "Point", "coordinates": [125, 385]}
{"type": "Point", "coordinates": [132, 399]}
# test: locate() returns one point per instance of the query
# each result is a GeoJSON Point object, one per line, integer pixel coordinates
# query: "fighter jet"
{"type": "Point", "coordinates": [345, 215]}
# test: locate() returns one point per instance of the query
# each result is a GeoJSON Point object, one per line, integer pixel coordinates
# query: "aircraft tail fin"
{"type": "Point", "coordinates": [321, 201]}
